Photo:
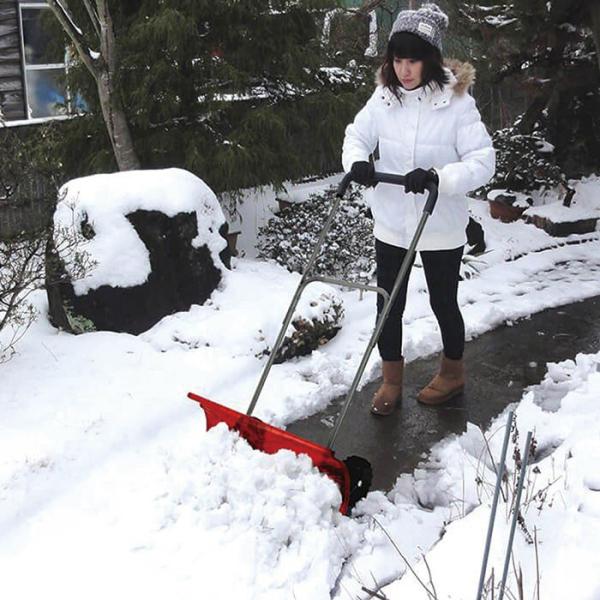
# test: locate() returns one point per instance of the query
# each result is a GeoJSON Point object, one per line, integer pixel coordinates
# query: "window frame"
{"type": "Point", "coordinates": [38, 5]}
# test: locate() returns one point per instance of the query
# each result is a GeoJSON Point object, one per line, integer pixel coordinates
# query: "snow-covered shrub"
{"type": "Point", "coordinates": [309, 334]}
{"type": "Point", "coordinates": [524, 163]}
{"type": "Point", "coordinates": [29, 170]}
{"type": "Point", "coordinates": [349, 250]}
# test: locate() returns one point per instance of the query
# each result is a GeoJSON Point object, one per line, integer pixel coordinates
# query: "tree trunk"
{"type": "Point", "coordinates": [112, 107]}
{"type": "Point", "coordinates": [116, 125]}
{"type": "Point", "coordinates": [103, 71]}
{"type": "Point", "coordinates": [595, 14]}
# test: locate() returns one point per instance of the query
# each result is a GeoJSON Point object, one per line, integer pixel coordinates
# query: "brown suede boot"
{"type": "Point", "coordinates": [390, 391]}
{"type": "Point", "coordinates": [449, 382]}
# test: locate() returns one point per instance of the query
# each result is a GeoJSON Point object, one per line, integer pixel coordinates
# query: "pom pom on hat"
{"type": "Point", "coordinates": [436, 13]}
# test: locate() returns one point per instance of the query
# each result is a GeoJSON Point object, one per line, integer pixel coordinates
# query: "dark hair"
{"type": "Point", "coordinates": [404, 44]}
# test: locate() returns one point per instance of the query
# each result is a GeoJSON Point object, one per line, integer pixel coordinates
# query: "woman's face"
{"type": "Point", "coordinates": [409, 72]}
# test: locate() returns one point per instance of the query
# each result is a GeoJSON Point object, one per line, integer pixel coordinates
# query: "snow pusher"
{"type": "Point", "coordinates": [354, 474]}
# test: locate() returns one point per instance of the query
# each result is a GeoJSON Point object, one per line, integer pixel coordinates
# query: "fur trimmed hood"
{"type": "Point", "coordinates": [462, 75]}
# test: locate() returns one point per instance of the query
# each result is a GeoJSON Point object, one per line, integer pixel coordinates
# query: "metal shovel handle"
{"type": "Point", "coordinates": [394, 179]}
{"type": "Point", "coordinates": [432, 188]}
{"type": "Point", "coordinates": [388, 298]}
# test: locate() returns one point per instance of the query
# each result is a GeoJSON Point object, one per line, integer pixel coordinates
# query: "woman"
{"type": "Point", "coordinates": [427, 127]}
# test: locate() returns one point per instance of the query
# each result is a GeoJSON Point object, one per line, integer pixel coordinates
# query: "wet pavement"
{"type": "Point", "coordinates": [500, 365]}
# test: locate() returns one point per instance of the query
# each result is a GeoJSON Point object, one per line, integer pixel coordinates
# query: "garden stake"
{"type": "Point", "coordinates": [515, 514]}
{"type": "Point", "coordinates": [499, 476]}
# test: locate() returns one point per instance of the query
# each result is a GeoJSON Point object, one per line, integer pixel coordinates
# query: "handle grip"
{"type": "Point", "coordinates": [393, 179]}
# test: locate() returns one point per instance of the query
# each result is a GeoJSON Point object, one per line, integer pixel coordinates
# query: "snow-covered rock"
{"type": "Point", "coordinates": [132, 247]}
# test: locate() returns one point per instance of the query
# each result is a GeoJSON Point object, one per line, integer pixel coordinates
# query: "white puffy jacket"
{"type": "Point", "coordinates": [440, 129]}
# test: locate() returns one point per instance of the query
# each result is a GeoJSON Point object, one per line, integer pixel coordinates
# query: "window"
{"type": "Point", "coordinates": [44, 62]}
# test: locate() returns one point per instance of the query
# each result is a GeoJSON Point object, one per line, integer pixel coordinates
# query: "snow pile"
{"type": "Point", "coordinates": [277, 510]}
{"type": "Point", "coordinates": [231, 331]}
{"type": "Point", "coordinates": [118, 255]}
{"type": "Point", "coordinates": [557, 213]}
{"type": "Point", "coordinates": [560, 502]}
{"type": "Point", "coordinates": [110, 488]}
{"type": "Point", "coordinates": [585, 204]}
{"type": "Point", "coordinates": [521, 199]}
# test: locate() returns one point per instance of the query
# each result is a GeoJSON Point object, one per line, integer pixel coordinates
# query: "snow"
{"type": "Point", "coordinates": [557, 213]}
{"type": "Point", "coordinates": [499, 20]}
{"type": "Point", "coordinates": [521, 199]}
{"type": "Point", "coordinates": [118, 256]}
{"type": "Point", "coordinates": [560, 505]}
{"type": "Point", "coordinates": [585, 204]}
{"type": "Point", "coordinates": [110, 486]}
{"type": "Point", "coordinates": [336, 74]}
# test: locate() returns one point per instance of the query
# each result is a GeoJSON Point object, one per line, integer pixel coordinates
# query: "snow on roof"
{"type": "Point", "coordinates": [120, 257]}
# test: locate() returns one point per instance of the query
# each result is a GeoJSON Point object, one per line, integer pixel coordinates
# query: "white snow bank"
{"type": "Point", "coordinates": [279, 506]}
{"type": "Point", "coordinates": [557, 213]}
{"type": "Point", "coordinates": [560, 503]}
{"type": "Point", "coordinates": [106, 480]}
{"type": "Point", "coordinates": [585, 204]}
{"type": "Point", "coordinates": [119, 257]}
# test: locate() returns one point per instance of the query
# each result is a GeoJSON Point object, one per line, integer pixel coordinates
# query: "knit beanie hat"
{"type": "Point", "coordinates": [428, 22]}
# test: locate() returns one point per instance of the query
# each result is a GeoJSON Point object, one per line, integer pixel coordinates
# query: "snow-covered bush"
{"type": "Point", "coordinates": [29, 170]}
{"type": "Point", "coordinates": [311, 333]}
{"type": "Point", "coordinates": [349, 249]}
{"type": "Point", "coordinates": [524, 163]}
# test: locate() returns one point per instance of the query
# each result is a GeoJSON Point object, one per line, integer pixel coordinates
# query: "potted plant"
{"type": "Point", "coordinates": [508, 206]}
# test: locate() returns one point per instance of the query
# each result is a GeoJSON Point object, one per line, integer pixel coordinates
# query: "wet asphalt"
{"type": "Point", "coordinates": [500, 365]}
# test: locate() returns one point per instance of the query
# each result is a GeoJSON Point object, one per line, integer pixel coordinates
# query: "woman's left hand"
{"type": "Point", "coordinates": [416, 180]}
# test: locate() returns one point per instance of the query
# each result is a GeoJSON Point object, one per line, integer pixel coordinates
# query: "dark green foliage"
{"type": "Point", "coordinates": [310, 335]}
{"type": "Point", "coordinates": [349, 250]}
{"type": "Point", "coordinates": [31, 172]}
{"type": "Point", "coordinates": [233, 91]}
{"type": "Point", "coordinates": [523, 162]}
{"type": "Point", "coordinates": [547, 50]}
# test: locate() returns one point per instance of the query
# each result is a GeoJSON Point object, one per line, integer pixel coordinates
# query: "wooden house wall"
{"type": "Point", "coordinates": [11, 75]}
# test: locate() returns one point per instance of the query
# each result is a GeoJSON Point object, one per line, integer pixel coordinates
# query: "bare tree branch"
{"type": "Point", "coordinates": [65, 17]}
{"type": "Point", "coordinates": [93, 17]}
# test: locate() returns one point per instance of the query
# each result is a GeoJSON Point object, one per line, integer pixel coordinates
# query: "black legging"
{"type": "Point", "coordinates": [442, 275]}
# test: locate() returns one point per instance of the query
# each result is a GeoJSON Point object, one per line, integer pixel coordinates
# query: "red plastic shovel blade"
{"type": "Point", "coordinates": [266, 438]}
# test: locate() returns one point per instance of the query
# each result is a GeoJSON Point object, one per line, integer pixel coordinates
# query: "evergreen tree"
{"type": "Point", "coordinates": [547, 47]}
{"type": "Point", "coordinates": [101, 63]}
{"type": "Point", "coordinates": [242, 93]}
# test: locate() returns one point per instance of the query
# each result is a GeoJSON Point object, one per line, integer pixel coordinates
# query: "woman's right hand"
{"type": "Point", "coordinates": [362, 172]}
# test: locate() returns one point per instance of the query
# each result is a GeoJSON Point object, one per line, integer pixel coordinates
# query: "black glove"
{"type": "Point", "coordinates": [362, 172]}
{"type": "Point", "coordinates": [416, 180]}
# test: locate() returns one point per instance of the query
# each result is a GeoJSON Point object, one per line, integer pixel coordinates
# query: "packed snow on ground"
{"type": "Point", "coordinates": [110, 486]}
{"type": "Point", "coordinates": [556, 549]}
{"type": "Point", "coordinates": [118, 255]}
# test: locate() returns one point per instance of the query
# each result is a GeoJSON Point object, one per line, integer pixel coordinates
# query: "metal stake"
{"type": "Point", "coordinates": [513, 525]}
{"type": "Point", "coordinates": [490, 530]}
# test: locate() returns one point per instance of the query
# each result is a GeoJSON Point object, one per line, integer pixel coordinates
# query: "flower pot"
{"type": "Point", "coordinates": [505, 212]}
